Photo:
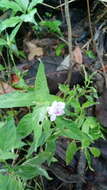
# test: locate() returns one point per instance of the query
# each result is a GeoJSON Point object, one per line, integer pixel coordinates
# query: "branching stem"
{"type": "Point", "coordinates": [71, 64]}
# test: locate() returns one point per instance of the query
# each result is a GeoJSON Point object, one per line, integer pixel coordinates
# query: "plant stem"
{"type": "Point", "coordinates": [71, 64]}
{"type": "Point", "coordinates": [90, 25]}
{"type": "Point", "coordinates": [12, 58]}
{"type": "Point", "coordinates": [57, 7]}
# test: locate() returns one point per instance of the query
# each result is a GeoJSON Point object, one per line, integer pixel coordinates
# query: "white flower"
{"type": "Point", "coordinates": [56, 109]}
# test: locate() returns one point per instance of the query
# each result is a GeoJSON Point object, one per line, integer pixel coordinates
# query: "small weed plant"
{"type": "Point", "coordinates": [51, 117]}
{"type": "Point", "coordinates": [14, 14]}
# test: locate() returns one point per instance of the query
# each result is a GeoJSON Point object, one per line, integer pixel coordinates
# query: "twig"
{"type": "Point", "coordinates": [104, 3]}
{"type": "Point", "coordinates": [63, 4]}
{"type": "Point", "coordinates": [101, 16]}
{"type": "Point", "coordinates": [57, 7]}
{"type": "Point", "coordinates": [46, 5]}
{"type": "Point", "coordinates": [62, 39]}
{"type": "Point", "coordinates": [39, 16]}
{"type": "Point", "coordinates": [62, 12]}
{"type": "Point", "coordinates": [90, 25]}
{"type": "Point", "coordinates": [67, 15]}
{"type": "Point", "coordinates": [86, 44]}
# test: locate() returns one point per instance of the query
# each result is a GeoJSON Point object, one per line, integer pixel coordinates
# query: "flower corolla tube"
{"type": "Point", "coordinates": [56, 109]}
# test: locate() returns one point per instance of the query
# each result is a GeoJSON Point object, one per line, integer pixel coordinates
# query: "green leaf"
{"type": "Point", "coordinates": [59, 48]}
{"type": "Point", "coordinates": [85, 143]}
{"type": "Point", "coordinates": [8, 138]}
{"type": "Point", "coordinates": [17, 99]}
{"type": "Point", "coordinates": [64, 88]}
{"type": "Point", "coordinates": [41, 85]}
{"type": "Point", "coordinates": [92, 128]}
{"type": "Point", "coordinates": [70, 152]}
{"type": "Point", "coordinates": [51, 147]}
{"type": "Point", "coordinates": [41, 88]}
{"type": "Point", "coordinates": [10, 22]}
{"type": "Point", "coordinates": [8, 182]}
{"type": "Point", "coordinates": [34, 3]}
{"type": "Point", "coordinates": [38, 118]}
{"type": "Point", "coordinates": [69, 129]}
{"type": "Point", "coordinates": [46, 132]}
{"type": "Point", "coordinates": [29, 17]}
{"type": "Point", "coordinates": [88, 104]}
{"type": "Point", "coordinates": [39, 159]}
{"type": "Point", "coordinates": [25, 126]}
{"type": "Point", "coordinates": [39, 115]}
{"type": "Point", "coordinates": [18, 143]}
{"type": "Point", "coordinates": [91, 122]}
{"type": "Point", "coordinates": [88, 157]}
{"type": "Point", "coordinates": [41, 98]}
{"type": "Point", "coordinates": [2, 42]}
{"type": "Point", "coordinates": [8, 135]}
{"type": "Point", "coordinates": [95, 151]}
{"type": "Point", "coordinates": [53, 26]}
{"type": "Point", "coordinates": [32, 167]}
{"type": "Point", "coordinates": [90, 54]}
{"type": "Point", "coordinates": [23, 4]}
{"type": "Point", "coordinates": [10, 5]}
{"type": "Point", "coordinates": [2, 68]}
{"type": "Point", "coordinates": [14, 32]}
{"type": "Point", "coordinates": [75, 104]}
{"type": "Point", "coordinates": [6, 155]}
{"type": "Point", "coordinates": [74, 133]}
{"type": "Point", "coordinates": [28, 171]}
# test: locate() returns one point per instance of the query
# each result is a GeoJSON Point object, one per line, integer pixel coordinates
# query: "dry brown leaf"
{"type": "Point", "coordinates": [5, 88]}
{"type": "Point", "coordinates": [34, 50]}
{"type": "Point", "coordinates": [104, 68]}
{"type": "Point", "coordinates": [77, 55]}
{"type": "Point", "coordinates": [14, 78]}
